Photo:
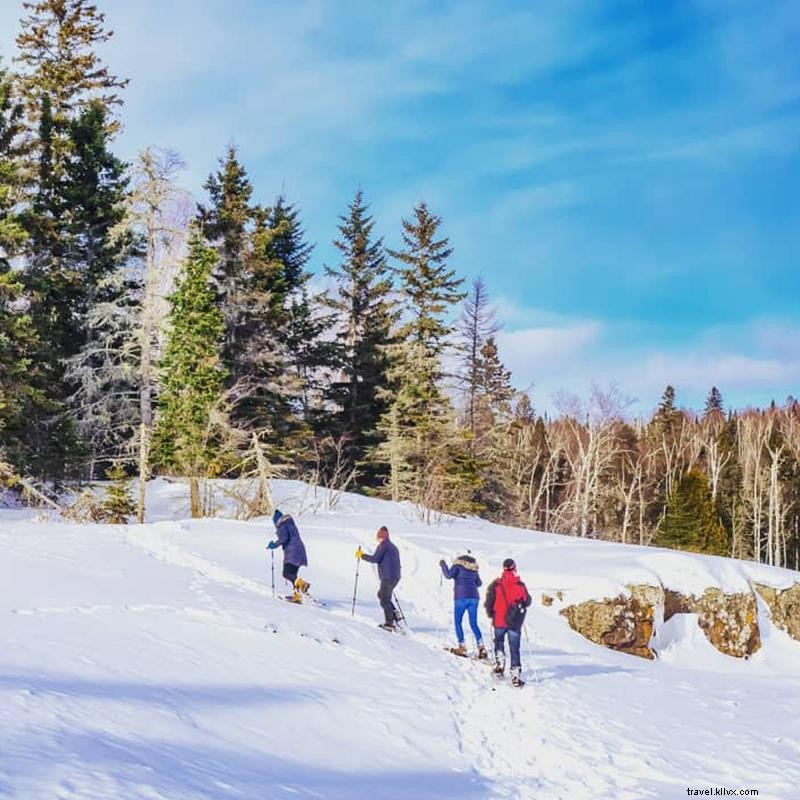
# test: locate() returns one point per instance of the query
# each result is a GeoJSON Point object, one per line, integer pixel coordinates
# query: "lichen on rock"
{"type": "Point", "coordinates": [784, 607]}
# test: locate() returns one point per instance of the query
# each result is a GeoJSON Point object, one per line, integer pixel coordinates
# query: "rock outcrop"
{"type": "Point", "coordinates": [784, 607]}
{"type": "Point", "coordinates": [729, 621]}
{"type": "Point", "coordinates": [621, 623]}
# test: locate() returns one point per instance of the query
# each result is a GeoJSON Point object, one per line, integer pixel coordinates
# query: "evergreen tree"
{"type": "Point", "coordinates": [714, 405]}
{"type": "Point", "coordinates": [16, 334]}
{"type": "Point", "coordinates": [193, 378]}
{"type": "Point", "coordinates": [288, 244]}
{"type": "Point", "coordinates": [691, 521]}
{"type": "Point", "coordinates": [422, 440]}
{"type": "Point", "coordinates": [666, 411]}
{"type": "Point", "coordinates": [365, 318]}
{"type": "Point", "coordinates": [226, 224]}
{"type": "Point", "coordinates": [495, 382]}
{"type": "Point", "coordinates": [70, 96]}
{"type": "Point", "coordinates": [428, 284]}
{"type": "Point", "coordinates": [57, 50]}
{"type": "Point", "coordinates": [118, 506]}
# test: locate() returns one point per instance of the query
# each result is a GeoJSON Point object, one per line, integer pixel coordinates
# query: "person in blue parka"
{"type": "Point", "coordinates": [464, 574]}
{"type": "Point", "coordinates": [294, 553]}
{"type": "Point", "coordinates": [387, 557]}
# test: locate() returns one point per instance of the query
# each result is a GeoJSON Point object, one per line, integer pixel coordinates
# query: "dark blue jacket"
{"type": "Point", "coordinates": [387, 557]}
{"type": "Point", "coordinates": [294, 551]}
{"type": "Point", "coordinates": [465, 574]}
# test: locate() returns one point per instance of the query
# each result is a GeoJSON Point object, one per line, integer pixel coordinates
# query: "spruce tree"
{"type": "Point", "coordinates": [118, 506]}
{"type": "Point", "coordinates": [226, 224]}
{"type": "Point", "coordinates": [70, 96]}
{"type": "Point", "coordinates": [57, 50]}
{"type": "Point", "coordinates": [714, 406]}
{"type": "Point", "coordinates": [193, 378]}
{"type": "Point", "coordinates": [691, 521]}
{"type": "Point", "coordinates": [16, 333]}
{"type": "Point", "coordinates": [420, 425]}
{"type": "Point", "coordinates": [365, 316]}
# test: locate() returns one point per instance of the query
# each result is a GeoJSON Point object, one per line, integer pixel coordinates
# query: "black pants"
{"type": "Point", "coordinates": [290, 572]}
{"type": "Point", "coordinates": [385, 597]}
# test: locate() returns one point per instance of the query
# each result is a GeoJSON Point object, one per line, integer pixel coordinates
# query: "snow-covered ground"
{"type": "Point", "coordinates": [153, 662]}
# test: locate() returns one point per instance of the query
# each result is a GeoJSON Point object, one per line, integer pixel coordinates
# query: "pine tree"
{"type": "Point", "coordinates": [193, 377]}
{"type": "Point", "coordinates": [365, 317]}
{"type": "Point", "coordinates": [691, 521]}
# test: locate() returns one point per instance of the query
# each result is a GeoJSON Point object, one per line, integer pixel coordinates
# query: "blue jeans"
{"type": "Point", "coordinates": [514, 638]}
{"type": "Point", "coordinates": [470, 605]}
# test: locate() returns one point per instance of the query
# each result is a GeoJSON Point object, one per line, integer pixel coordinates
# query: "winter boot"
{"type": "Point", "coordinates": [516, 677]}
{"type": "Point", "coordinates": [302, 586]}
{"type": "Point", "coordinates": [482, 651]}
{"type": "Point", "coordinates": [461, 650]}
{"type": "Point", "coordinates": [295, 597]}
{"type": "Point", "coordinates": [499, 663]}
{"type": "Point", "coordinates": [387, 626]}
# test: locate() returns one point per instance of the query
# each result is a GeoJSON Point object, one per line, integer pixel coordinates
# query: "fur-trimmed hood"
{"type": "Point", "coordinates": [467, 562]}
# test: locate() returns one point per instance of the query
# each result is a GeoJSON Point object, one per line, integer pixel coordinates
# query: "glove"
{"type": "Point", "coordinates": [359, 553]}
{"type": "Point", "coordinates": [442, 562]}
{"type": "Point", "coordinates": [272, 546]}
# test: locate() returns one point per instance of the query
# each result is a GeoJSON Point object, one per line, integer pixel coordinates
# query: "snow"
{"type": "Point", "coordinates": [153, 662]}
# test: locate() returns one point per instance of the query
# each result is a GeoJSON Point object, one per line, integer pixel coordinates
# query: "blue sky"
{"type": "Point", "coordinates": [624, 175]}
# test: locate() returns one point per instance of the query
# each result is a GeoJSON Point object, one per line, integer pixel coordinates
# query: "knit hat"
{"type": "Point", "coordinates": [277, 516]}
{"type": "Point", "coordinates": [383, 532]}
{"type": "Point", "coordinates": [509, 565]}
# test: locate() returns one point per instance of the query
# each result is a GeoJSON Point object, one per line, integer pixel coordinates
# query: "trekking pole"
{"type": "Point", "coordinates": [399, 608]}
{"type": "Point", "coordinates": [355, 589]}
{"type": "Point", "coordinates": [272, 569]}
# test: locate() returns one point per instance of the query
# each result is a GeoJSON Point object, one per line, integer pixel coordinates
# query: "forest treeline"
{"type": "Point", "coordinates": [143, 333]}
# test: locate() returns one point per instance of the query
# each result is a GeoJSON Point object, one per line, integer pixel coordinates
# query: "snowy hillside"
{"type": "Point", "coordinates": [153, 662]}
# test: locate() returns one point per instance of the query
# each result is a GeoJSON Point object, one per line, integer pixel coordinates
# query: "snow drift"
{"type": "Point", "coordinates": [153, 662]}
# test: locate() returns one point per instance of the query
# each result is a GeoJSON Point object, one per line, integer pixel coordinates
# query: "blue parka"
{"type": "Point", "coordinates": [464, 573]}
{"type": "Point", "coordinates": [288, 537]}
{"type": "Point", "coordinates": [387, 557]}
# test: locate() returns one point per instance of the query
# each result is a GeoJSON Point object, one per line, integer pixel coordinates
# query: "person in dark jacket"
{"type": "Point", "coordinates": [294, 553]}
{"type": "Point", "coordinates": [466, 580]}
{"type": "Point", "coordinates": [505, 599]}
{"type": "Point", "coordinates": [387, 557]}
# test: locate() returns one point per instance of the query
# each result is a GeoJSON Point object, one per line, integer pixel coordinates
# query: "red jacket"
{"type": "Point", "coordinates": [503, 592]}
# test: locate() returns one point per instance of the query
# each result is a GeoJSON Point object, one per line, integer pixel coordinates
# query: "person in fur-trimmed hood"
{"type": "Point", "coordinates": [466, 580]}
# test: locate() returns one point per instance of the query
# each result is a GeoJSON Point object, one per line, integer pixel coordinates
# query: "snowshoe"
{"type": "Point", "coordinates": [294, 597]}
{"type": "Point", "coordinates": [516, 677]}
{"type": "Point", "coordinates": [387, 626]}
{"type": "Point", "coordinates": [461, 650]}
{"type": "Point", "coordinates": [482, 654]}
{"type": "Point", "coordinates": [499, 664]}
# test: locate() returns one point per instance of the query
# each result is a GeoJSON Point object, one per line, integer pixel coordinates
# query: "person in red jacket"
{"type": "Point", "coordinates": [507, 600]}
